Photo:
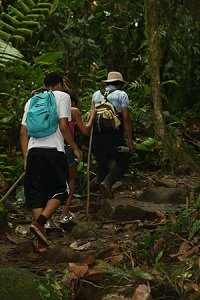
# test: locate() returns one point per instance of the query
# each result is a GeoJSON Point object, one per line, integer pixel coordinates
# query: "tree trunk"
{"type": "Point", "coordinates": [151, 15]}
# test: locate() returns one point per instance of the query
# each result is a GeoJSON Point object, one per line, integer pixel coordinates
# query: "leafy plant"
{"type": "Point", "coordinates": [194, 230]}
{"type": "Point", "coordinates": [10, 166]}
{"type": "Point", "coordinates": [9, 54]}
{"type": "Point", "coordinates": [20, 20]}
{"type": "Point", "coordinates": [51, 289]}
{"type": "Point", "coordinates": [123, 275]}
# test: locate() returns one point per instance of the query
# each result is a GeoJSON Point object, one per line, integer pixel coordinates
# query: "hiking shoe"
{"type": "Point", "coordinates": [105, 189]}
{"type": "Point", "coordinates": [66, 219]}
{"type": "Point", "coordinates": [39, 232]}
{"type": "Point", "coordinates": [39, 247]}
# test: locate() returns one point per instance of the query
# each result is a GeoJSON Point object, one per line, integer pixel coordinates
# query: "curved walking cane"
{"type": "Point", "coordinates": [88, 173]}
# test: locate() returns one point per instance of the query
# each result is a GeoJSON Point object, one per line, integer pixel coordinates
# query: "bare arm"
{"type": "Point", "coordinates": [84, 128]}
{"type": "Point", "coordinates": [127, 127]}
{"type": "Point", "coordinates": [24, 142]}
{"type": "Point", "coordinates": [66, 132]}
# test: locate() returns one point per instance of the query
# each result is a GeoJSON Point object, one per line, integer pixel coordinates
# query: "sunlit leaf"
{"type": "Point", "coordinates": [48, 58]}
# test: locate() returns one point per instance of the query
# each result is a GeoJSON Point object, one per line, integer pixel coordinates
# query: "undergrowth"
{"type": "Point", "coordinates": [166, 257]}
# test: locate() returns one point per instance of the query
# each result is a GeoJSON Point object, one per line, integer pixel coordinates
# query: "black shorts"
{"type": "Point", "coordinates": [46, 177]}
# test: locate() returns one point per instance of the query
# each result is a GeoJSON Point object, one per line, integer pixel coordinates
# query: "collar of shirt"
{"type": "Point", "coordinates": [111, 88]}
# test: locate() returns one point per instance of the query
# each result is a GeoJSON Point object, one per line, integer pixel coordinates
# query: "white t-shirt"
{"type": "Point", "coordinates": [55, 140]}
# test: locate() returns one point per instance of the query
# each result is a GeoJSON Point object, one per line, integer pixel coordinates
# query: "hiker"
{"type": "Point", "coordinates": [111, 164]}
{"type": "Point", "coordinates": [46, 166]}
{"type": "Point", "coordinates": [84, 129]}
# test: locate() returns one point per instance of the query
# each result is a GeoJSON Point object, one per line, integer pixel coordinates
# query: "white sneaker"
{"type": "Point", "coordinates": [66, 219]}
{"type": "Point", "coordinates": [49, 224]}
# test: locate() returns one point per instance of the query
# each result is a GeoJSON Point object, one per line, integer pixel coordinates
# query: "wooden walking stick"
{"type": "Point", "coordinates": [12, 188]}
{"type": "Point", "coordinates": [88, 173]}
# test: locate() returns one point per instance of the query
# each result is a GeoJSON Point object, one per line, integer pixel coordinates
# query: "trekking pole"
{"type": "Point", "coordinates": [88, 173]}
{"type": "Point", "coordinates": [12, 188]}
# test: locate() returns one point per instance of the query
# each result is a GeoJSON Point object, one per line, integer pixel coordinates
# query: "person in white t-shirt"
{"type": "Point", "coordinates": [45, 184]}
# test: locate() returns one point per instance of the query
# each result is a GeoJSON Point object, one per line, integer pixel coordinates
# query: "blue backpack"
{"type": "Point", "coordinates": [42, 118]}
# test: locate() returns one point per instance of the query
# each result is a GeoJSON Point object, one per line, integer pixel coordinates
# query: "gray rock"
{"type": "Point", "coordinates": [164, 195]}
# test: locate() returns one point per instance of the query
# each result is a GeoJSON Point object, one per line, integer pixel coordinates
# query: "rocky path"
{"type": "Point", "coordinates": [140, 204]}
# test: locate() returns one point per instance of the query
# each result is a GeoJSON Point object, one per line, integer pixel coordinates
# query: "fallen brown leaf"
{"type": "Point", "coordinates": [142, 292]}
{"type": "Point", "coordinates": [76, 246]}
{"type": "Point", "coordinates": [79, 270]}
{"type": "Point", "coordinates": [115, 260]}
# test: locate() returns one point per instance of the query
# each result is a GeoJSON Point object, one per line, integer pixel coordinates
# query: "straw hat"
{"type": "Point", "coordinates": [115, 76]}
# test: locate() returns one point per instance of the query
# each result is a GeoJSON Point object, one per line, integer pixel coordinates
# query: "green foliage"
{"type": "Point", "coordinates": [146, 145]}
{"type": "Point", "coordinates": [19, 197]}
{"type": "Point", "coordinates": [49, 58]}
{"type": "Point", "coordinates": [194, 230]}
{"type": "Point", "coordinates": [51, 289]}
{"type": "Point", "coordinates": [65, 36]}
{"type": "Point", "coordinates": [160, 249]}
{"type": "Point", "coordinates": [123, 275]}
{"type": "Point", "coordinates": [16, 21]}
{"type": "Point", "coordinates": [9, 54]}
{"type": "Point", "coordinates": [11, 166]}
{"type": "Point", "coordinates": [181, 276]}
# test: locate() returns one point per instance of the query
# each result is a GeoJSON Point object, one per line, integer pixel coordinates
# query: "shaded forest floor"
{"type": "Point", "coordinates": [96, 248]}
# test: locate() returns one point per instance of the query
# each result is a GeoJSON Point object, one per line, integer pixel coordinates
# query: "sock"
{"type": "Point", "coordinates": [41, 220]}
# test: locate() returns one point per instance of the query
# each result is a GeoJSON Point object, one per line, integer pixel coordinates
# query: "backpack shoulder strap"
{"type": "Point", "coordinates": [105, 93]}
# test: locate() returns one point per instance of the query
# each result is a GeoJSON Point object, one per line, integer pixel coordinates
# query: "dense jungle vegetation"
{"type": "Point", "coordinates": [154, 44]}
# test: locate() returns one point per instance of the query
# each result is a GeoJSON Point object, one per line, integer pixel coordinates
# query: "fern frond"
{"type": "Point", "coordinates": [54, 6]}
{"type": "Point", "coordinates": [16, 12]}
{"type": "Point", "coordinates": [6, 49]}
{"type": "Point", "coordinates": [14, 21]}
{"type": "Point", "coordinates": [24, 31]}
{"type": "Point", "coordinates": [40, 10]}
{"type": "Point", "coordinates": [44, 4]}
{"type": "Point", "coordinates": [4, 35]}
{"type": "Point", "coordinates": [30, 23]}
{"type": "Point", "coordinates": [29, 13]}
{"type": "Point", "coordinates": [31, 3]}
{"type": "Point", "coordinates": [35, 16]}
{"type": "Point", "coordinates": [19, 38]}
{"type": "Point", "coordinates": [7, 26]}
{"type": "Point", "coordinates": [23, 6]}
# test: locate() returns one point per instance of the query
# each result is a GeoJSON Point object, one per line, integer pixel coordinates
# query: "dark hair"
{"type": "Point", "coordinates": [74, 98]}
{"type": "Point", "coordinates": [115, 83]}
{"type": "Point", "coordinates": [52, 79]}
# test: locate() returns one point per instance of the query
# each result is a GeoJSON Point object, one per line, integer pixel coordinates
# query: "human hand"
{"type": "Point", "coordinates": [93, 112]}
{"type": "Point", "coordinates": [79, 154]}
{"type": "Point", "coordinates": [25, 162]}
{"type": "Point", "coordinates": [131, 146]}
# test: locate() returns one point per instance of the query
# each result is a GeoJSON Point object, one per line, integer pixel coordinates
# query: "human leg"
{"type": "Point", "coordinates": [66, 214]}
{"type": "Point", "coordinates": [119, 167]}
{"type": "Point", "coordinates": [102, 167]}
{"type": "Point", "coordinates": [72, 171]}
{"type": "Point", "coordinates": [37, 212]}
{"type": "Point", "coordinates": [116, 172]}
{"type": "Point", "coordinates": [46, 188]}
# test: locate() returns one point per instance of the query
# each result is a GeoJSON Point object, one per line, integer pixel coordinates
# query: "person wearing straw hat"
{"type": "Point", "coordinates": [112, 164]}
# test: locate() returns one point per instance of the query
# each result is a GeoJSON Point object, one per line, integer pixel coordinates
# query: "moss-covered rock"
{"type": "Point", "coordinates": [21, 284]}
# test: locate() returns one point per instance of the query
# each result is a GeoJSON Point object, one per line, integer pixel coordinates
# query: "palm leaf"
{"type": "Point", "coordinates": [8, 53]}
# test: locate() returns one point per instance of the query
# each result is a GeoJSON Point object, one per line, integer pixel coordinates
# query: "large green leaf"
{"type": "Point", "coordinates": [8, 53]}
{"type": "Point", "coordinates": [48, 58]}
